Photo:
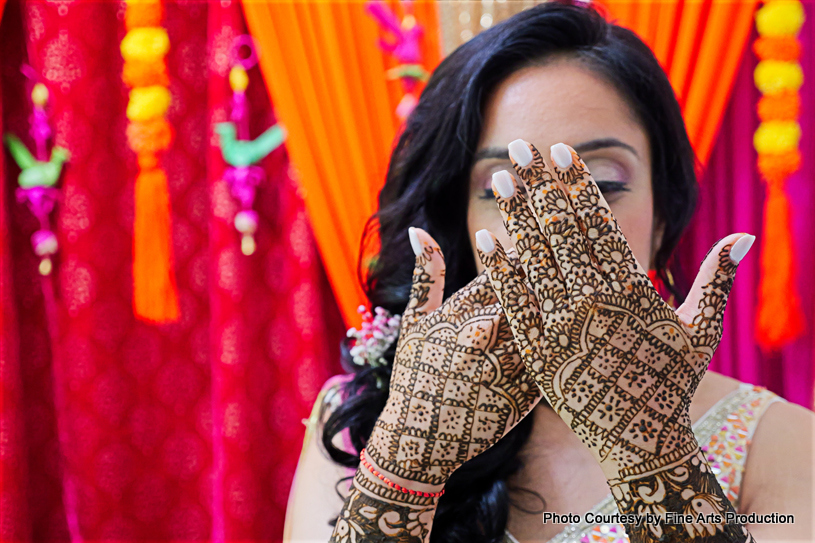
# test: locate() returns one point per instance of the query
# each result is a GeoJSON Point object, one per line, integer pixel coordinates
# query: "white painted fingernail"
{"type": "Point", "coordinates": [414, 241]}
{"type": "Point", "coordinates": [561, 155]}
{"type": "Point", "coordinates": [502, 182]}
{"type": "Point", "coordinates": [741, 247]}
{"type": "Point", "coordinates": [520, 153]}
{"type": "Point", "coordinates": [483, 240]}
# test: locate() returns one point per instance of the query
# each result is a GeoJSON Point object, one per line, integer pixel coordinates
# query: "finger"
{"type": "Point", "coordinates": [518, 303]}
{"type": "Point", "coordinates": [604, 237]}
{"type": "Point", "coordinates": [536, 257]}
{"type": "Point", "coordinates": [556, 220]}
{"type": "Point", "coordinates": [427, 290]}
{"type": "Point", "coordinates": [703, 309]}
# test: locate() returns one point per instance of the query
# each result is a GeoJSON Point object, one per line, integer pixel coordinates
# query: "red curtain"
{"type": "Point", "coordinates": [113, 428]}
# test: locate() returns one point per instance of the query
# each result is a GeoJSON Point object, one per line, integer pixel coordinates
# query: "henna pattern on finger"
{"type": "Point", "coordinates": [605, 239]}
{"type": "Point", "coordinates": [557, 222]}
{"type": "Point", "coordinates": [707, 324]}
{"type": "Point", "coordinates": [422, 281]}
{"type": "Point", "coordinates": [535, 256]}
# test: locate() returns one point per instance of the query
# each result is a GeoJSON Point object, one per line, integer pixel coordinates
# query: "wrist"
{"type": "Point", "coordinates": [684, 446]}
{"type": "Point", "coordinates": [380, 486]}
{"type": "Point", "coordinates": [677, 497]}
{"type": "Point", "coordinates": [398, 460]}
{"type": "Point", "coordinates": [399, 483]}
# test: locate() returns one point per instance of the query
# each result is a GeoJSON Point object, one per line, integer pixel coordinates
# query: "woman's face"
{"type": "Point", "coordinates": [563, 101]}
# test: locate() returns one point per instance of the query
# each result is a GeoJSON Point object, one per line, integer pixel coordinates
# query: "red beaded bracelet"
{"type": "Point", "coordinates": [391, 484]}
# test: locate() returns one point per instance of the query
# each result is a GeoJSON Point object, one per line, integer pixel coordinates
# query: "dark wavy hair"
{"type": "Point", "coordinates": [428, 186]}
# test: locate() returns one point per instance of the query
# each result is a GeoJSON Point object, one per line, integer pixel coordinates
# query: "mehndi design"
{"type": "Point", "coordinates": [612, 358]}
{"type": "Point", "coordinates": [458, 385]}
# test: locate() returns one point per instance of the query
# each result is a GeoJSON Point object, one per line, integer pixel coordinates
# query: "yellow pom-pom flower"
{"type": "Point", "coordinates": [772, 76]}
{"type": "Point", "coordinates": [780, 18]}
{"type": "Point", "coordinates": [146, 44]}
{"type": "Point", "coordinates": [775, 137]}
{"type": "Point", "coordinates": [147, 103]}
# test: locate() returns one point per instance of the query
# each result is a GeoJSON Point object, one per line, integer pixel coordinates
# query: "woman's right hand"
{"type": "Point", "coordinates": [458, 382]}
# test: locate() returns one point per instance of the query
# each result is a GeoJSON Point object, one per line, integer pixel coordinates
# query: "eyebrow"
{"type": "Point", "coordinates": [585, 147]}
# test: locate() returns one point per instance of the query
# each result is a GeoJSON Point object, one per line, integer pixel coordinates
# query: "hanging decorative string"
{"type": "Point", "coordinates": [39, 174]}
{"type": "Point", "coordinates": [407, 34]}
{"type": "Point", "coordinates": [778, 76]}
{"type": "Point", "coordinates": [241, 153]}
{"type": "Point", "coordinates": [144, 47]}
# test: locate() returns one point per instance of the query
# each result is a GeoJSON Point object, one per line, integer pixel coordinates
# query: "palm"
{"type": "Point", "coordinates": [458, 385]}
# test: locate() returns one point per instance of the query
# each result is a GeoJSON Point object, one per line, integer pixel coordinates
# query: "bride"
{"type": "Point", "coordinates": [537, 369]}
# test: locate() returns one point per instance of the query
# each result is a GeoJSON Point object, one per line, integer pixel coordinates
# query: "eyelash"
{"type": "Point", "coordinates": [606, 187]}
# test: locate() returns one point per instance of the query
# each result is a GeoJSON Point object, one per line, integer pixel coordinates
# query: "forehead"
{"type": "Point", "coordinates": [561, 101]}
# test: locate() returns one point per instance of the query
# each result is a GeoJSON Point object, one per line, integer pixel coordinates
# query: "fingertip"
{"type": "Point", "coordinates": [520, 152]}
{"type": "Point", "coordinates": [485, 241]}
{"type": "Point", "coordinates": [420, 239]}
{"type": "Point", "coordinates": [415, 244]}
{"type": "Point", "coordinates": [503, 183]}
{"type": "Point", "coordinates": [740, 248]}
{"type": "Point", "coordinates": [562, 155]}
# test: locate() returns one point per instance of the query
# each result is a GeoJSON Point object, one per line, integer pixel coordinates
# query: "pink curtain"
{"type": "Point", "coordinates": [117, 429]}
{"type": "Point", "coordinates": [732, 200]}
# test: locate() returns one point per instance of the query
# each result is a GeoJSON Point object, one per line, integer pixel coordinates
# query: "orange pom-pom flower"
{"type": "Point", "coordinates": [775, 168]}
{"type": "Point", "coordinates": [143, 13]}
{"type": "Point", "coordinates": [137, 73]}
{"type": "Point", "coordinates": [149, 136]}
{"type": "Point", "coordinates": [784, 48]}
{"type": "Point", "coordinates": [783, 106]}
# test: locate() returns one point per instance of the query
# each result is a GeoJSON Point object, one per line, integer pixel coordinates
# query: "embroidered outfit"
{"type": "Point", "coordinates": [724, 433]}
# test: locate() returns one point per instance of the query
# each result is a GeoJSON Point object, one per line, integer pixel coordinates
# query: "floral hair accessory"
{"type": "Point", "coordinates": [374, 337]}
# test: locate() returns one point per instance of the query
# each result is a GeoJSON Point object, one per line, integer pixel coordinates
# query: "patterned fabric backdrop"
{"type": "Point", "coordinates": [119, 429]}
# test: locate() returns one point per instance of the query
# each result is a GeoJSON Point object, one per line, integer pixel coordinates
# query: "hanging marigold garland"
{"type": "Point", "coordinates": [144, 48]}
{"type": "Point", "coordinates": [778, 76]}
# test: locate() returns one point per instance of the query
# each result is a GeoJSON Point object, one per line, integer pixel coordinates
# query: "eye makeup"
{"type": "Point", "coordinates": [607, 187]}
{"type": "Point", "coordinates": [608, 160]}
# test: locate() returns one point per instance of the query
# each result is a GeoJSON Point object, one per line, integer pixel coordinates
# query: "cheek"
{"type": "Point", "coordinates": [635, 216]}
{"type": "Point", "coordinates": [484, 214]}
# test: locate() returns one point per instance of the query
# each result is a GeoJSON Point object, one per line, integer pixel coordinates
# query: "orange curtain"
{"type": "Point", "coordinates": [699, 44]}
{"type": "Point", "coordinates": [327, 80]}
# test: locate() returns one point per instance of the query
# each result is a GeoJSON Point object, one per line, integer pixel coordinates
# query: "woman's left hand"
{"type": "Point", "coordinates": [615, 361]}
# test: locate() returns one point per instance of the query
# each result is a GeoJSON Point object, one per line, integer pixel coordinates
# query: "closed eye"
{"type": "Point", "coordinates": [606, 187]}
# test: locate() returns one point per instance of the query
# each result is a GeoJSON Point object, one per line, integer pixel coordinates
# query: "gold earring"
{"type": "Point", "coordinates": [671, 288]}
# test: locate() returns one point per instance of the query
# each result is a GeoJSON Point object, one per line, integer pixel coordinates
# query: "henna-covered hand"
{"type": "Point", "coordinates": [616, 362]}
{"type": "Point", "coordinates": [458, 385]}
